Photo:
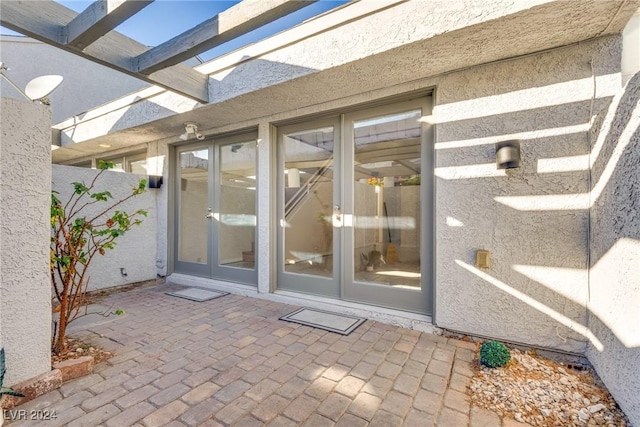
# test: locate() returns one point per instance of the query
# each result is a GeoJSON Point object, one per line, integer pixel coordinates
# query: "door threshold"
{"type": "Point", "coordinates": [404, 319]}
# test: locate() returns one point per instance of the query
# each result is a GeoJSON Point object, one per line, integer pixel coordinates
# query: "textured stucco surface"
{"type": "Point", "coordinates": [136, 250]}
{"type": "Point", "coordinates": [615, 251]}
{"type": "Point", "coordinates": [401, 43]}
{"type": "Point", "coordinates": [536, 289]}
{"type": "Point", "coordinates": [86, 84]}
{"type": "Point", "coordinates": [25, 287]}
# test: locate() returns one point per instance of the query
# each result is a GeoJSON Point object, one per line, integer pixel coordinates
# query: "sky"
{"type": "Point", "coordinates": [165, 19]}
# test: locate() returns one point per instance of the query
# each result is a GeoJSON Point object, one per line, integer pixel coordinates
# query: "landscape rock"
{"type": "Point", "coordinates": [539, 392]}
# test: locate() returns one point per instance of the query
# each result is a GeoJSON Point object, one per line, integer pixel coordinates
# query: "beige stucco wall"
{"type": "Point", "coordinates": [25, 287]}
{"type": "Point", "coordinates": [534, 219]}
{"type": "Point", "coordinates": [136, 250]}
{"type": "Point", "coordinates": [614, 304]}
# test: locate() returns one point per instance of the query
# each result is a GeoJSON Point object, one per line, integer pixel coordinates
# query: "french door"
{"type": "Point", "coordinates": [215, 195]}
{"type": "Point", "coordinates": [355, 206]}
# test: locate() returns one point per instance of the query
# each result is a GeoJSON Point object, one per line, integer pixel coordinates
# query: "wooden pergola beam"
{"type": "Point", "coordinates": [46, 21]}
{"type": "Point", "coordinates": [98, 19]}
{"type": "Point", "coordinates": [229, 24]}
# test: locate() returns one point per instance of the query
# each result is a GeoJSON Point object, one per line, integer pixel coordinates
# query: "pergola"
{"type": "Point", "coordinates": [91, 34]}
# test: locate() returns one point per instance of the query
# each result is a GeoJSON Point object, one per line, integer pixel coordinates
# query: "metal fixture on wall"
{"type": "Point", "coordinates": [155, 181]}
{"type": "Point", "coordinates": [508, 154]}
{"type": "Point", "coordinates": [191, 130]}
{"type": "Point", "coordinates": [37, 89]}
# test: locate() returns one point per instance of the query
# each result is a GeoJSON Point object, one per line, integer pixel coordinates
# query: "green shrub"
{"type": "Point", "coordinates": [494, 354]}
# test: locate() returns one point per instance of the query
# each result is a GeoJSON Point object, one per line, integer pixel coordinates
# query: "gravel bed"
{"type": "Point", "coordinates": [540, 392]}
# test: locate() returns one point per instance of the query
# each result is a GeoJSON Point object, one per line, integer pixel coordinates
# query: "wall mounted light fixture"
{"type": "Point", "coordinates": [37, 89]}
{"type": "Point", "coordinates": [155, 181]}
{"type": "Point", "coordinates": [508, 154]}
{"type": "Point", "coordinates": [191, 130]}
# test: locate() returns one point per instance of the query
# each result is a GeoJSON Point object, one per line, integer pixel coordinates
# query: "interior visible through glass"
{"type": "Point", "coordinates": [386, 226]}
{"type": "Point", "coordinates": [308, 199]}
{"type": "Point", "coordinates": [237, 217]}
{"type": "Point", "coordinates": [192, 225]}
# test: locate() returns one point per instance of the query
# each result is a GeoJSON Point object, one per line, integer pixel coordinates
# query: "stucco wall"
{"type": "Point", "coordinates": [614, 305]}
{"type": "Point", "coordinates": [396, 43]}
{"type": "Point", "coordinates": [86, 84]}
{"type": "Point", "coordinates": [136, 250]}
{"type": "Point", "coordinates": [534, 219]}
{"type": "Point", "coordinates": [25, 289]}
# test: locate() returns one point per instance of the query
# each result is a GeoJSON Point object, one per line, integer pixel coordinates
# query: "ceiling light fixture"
{"type": "Point", "coordinates": [37, 89]}
{"type": "Point", "coordinates": [191, 130]}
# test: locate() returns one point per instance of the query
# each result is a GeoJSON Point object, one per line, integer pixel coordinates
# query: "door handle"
{"type": "Point", "coordinates": [210, 214]}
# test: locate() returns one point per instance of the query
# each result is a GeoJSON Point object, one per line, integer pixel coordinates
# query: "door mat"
{"type": "Point", "coordinates": [332, 322]}
{"type": "Point", "coordinates": [195, 294]}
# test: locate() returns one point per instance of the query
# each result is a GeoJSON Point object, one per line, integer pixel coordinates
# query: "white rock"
{"type": "Point", "coordinates": [545, 412]}
{"type": "Point", "coordinates": [596, 408]}
{"type": "Point", "coordinates": [583, 415]}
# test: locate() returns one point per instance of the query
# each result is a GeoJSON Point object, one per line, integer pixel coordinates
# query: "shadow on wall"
{"type": "Point", "coordinates": [143, 121]}
{"type": "Point", "coordinates": [611, 289]}
{"type": "Point", "coordinates": [535, 219]}
{"type": "Point", "coordinates": [615, 218]}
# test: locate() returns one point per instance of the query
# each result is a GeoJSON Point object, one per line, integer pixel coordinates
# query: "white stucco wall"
{"type": "Point", "coordinates": [25, 287]}
{"type": "Point", "coordinates": [136, 250]}
{"type": "Point", "coordinates": [86, 84]}
{"type": "Point", "coordinates": [534, 219]}
{"type": "Point", "coordinates": [614, 305]}
{"type": "Point", "coordinates": [384, 44]}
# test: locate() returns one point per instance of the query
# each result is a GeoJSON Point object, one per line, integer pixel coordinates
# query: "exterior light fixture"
{"type": "Point", "coordinates": [37, 89]}
{"type": "Point", "coordinates": [191, 130]}
{"type": "Point", "coordinates": [155, 181]}
{"type": "Point", "coordinates": [508, 154]}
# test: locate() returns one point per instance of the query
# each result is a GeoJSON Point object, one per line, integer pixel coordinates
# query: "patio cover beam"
{"type": "Point", "coordinates": [46, 20]}
{"type": "Point", "coordinates": [227, 25]}
{"type": "Point", "coordinates": [98, 19]}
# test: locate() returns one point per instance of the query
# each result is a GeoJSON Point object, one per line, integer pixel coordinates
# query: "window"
{"type": "Point", "coordinates": [132, 163]}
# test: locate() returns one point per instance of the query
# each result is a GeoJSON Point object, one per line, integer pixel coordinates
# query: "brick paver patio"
{"type": "Point", "coordinates": [230, 361]}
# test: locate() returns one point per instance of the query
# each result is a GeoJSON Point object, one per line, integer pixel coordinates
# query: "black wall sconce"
{"type": "Point", "coordinates": [508, 154]}
{"type": "Point", "coordinates": [155, 181]}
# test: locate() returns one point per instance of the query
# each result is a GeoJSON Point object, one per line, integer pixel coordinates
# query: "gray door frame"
{"type": "Point", "coordinates": [305, 283]}
{"type": "Point", "coordinates": [212, 269]}
{"type": "Point", "coordinates": [342, 285]}
{"type": "Point", "coordinates": [419, 301]}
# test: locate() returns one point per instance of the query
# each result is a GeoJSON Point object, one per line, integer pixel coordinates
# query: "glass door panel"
{"type": "Point", "coordinates": [308, 211]}
{"type": "Point", "coordinates": [235, 210]}
{"type": "Point", "coordinates": [386, 210]}
{"type": "Point", "coordinates": [216, 209]}
{"type": "Point", "coordinates": [192, 206]}
{"type": "Point", "coordinates": [384, 160]}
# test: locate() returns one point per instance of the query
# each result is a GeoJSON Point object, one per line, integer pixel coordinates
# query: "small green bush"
{"type": "Point", "coordinates": [494, 354]}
